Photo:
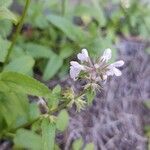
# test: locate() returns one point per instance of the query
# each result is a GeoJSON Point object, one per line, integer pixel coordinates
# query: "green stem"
{"type": "Point", "coordinates": [28, 124]}
{"type": "Point", "coordinates": [19, 27]}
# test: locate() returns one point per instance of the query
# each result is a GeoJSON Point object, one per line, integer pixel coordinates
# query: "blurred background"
{"type": "Point", "coordinates": [53, 33]}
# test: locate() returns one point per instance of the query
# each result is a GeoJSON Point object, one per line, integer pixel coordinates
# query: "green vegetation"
{"type": "Point", "coordinates": [42, 40]}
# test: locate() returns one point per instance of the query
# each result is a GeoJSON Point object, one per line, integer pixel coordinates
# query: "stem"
{"type": "Point", "coordinates": [28, 124]}
{"type": "Point", "coordinates": [19, 27]}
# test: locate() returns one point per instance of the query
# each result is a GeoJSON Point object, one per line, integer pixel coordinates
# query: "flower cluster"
{"type": "Point", "coordinates": [97, 71]}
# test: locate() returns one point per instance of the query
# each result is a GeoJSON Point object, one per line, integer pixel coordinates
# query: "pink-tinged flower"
{"type": "Point", "coordinates": [83, 56]}
{"type": "Point", "coordinates": [75, 69]}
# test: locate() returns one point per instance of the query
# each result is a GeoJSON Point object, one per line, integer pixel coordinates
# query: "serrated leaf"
{"type": "Point", "coordinates": [52, 67]}
{"type": "Point", "coordinates": [48, 135]}
{"type": "Point", "coordinates": [62, 120]}
{"type": "Point", "coordinates": [7, 14]}
{"type": "Point", "coordinates": [22, 65]}
{"type": "Point", "coordinates": [24, 84]}
{"type": "Point", "coordinates": [27, 139]}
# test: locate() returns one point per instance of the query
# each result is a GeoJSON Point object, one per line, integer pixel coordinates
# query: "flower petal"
{"type": "Point", "coordinates": [117, 72]}
{"type": "Point", "coordinates": [118, 63]}
{"type": "Point", "coordinates": [75, 64]}
{"type": "Point", "coordinates": [104, 77]}
{"type": "Point", "coordinates": [96, 65]}
{"type": "Point", "coordinates": [110, 72]}
{"type": "Point", "coordinates": [106, 55]}
{"type": "Point", "coordinates": [74, 72]}
{"type": "Point", "coordinates": [85, 52]}
{"type": "Point", "coordinates": [83, 56]}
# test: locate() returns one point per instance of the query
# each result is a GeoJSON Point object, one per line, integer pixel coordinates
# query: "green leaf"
{"type": "Point", "coordinates": [84, 10]}
{"type": "Point", "coordinates": [41, 22]}
{"type": "Point", "coordinates": [57, 90]}
{"type": "Point", "coordinates": [73, 32]}
{"type": "Point", "coordinates": [27, 139]}
{"type": "Point", "coordinates": [7, 14]}
{"type": "Point", "coordinates": [56, 147]}
{"type": "Point", "coordinates": [52, 67]}
{"type": "Point", "coordinates": [90, 96]}
{"type": "Point", "coordinates": [17, 52]}
{"type": "Point", "coordinates": [21, 83]}
{"type": "Point", "coordinates": [89, 146]}
{"type": "Point", "coordinates": [34, 111]}
{"type": "Point", "coordinates": [5, 28]}
{"type": "Point", "coordinates": [22, 65]}
{"type": "Point", "coordinates": [148, 50]}
{"type": "Point", "coordinates": [4, 44]}
{"type": "Point", "coordinates": [77, 144]}
{"type": "Point", "coordinates": [100, 13]}
{"type": "Point", "coordinates": [16, 105]}
{"type": "Point", "coordinates": [62, 120]}
{"type": "Point", "coordinates": [66, 52]}
{"type": "Point", "coordinates": [53, 101]}
{"type": "Point", "coordinates": [48, 135]}
{"type": "Point", "coordinates": [5, 3]}
{"type": "Point", "coordinates": [38, 51]}
{"type": "Point", "coordinates": [147, 104]}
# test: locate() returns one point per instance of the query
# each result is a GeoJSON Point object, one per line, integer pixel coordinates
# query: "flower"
{"type": "Point", "coordinates": [113, 70]}
{"type": "Point", "coordinates": [75, 69]}
{"type": "Point", "coordinates": [95, 72]}
{"type": "Point", "coordinates": [83, 56]}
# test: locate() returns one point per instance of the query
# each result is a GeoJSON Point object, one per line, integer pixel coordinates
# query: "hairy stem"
{"type": "Point", "coordinates": [19, 27]}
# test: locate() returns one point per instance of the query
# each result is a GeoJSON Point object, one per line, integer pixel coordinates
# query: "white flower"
{"type": "Point", "coordinates": [95, 72]}
{"type": "Point", "coordinates": [83, 56]}
{"type": "Point", "coordinates": [106, 55]}
{"type": "Point", "coordinates": [75, 69]}
{"type": "Point", "coordinates": [113, 68]}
